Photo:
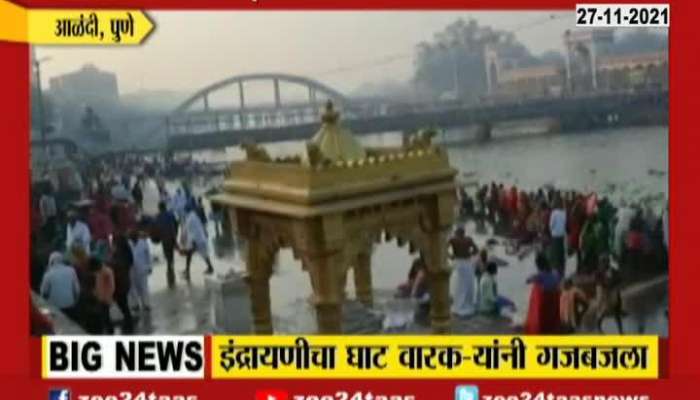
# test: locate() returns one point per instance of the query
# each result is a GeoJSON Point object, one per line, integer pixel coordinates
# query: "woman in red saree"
{"type": "Point", "coordinates": [543, 310]}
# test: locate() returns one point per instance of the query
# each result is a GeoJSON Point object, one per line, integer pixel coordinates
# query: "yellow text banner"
{"type": "Point", "coordinates": [594, 357]}
{"type": "Point", "coordinates": [73, 26]}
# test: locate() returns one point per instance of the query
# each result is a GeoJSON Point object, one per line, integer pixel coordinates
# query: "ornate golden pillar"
{"type": "Point", "coordinates": [437, 225]}
{"type": "Point", "coordinates": [259, 267]}
{"type": "Point", "coordinates": [343, 282]}
{"type": "Point", "coordinates": [325, 270]}
{"type": "Point", "coordinates": [438, 284]}
{"type": "Point", "coordinates": [362, 273]}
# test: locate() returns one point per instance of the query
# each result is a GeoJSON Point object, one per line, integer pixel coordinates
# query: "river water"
{"type": "Point", "coordinates": [629, 163]}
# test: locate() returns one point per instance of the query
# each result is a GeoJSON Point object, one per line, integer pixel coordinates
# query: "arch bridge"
{"type": "Point", "coordinates": [197, 114]}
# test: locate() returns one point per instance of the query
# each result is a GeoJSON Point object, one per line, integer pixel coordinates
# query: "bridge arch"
{"type": "Point", "coordinates": [312, 84]}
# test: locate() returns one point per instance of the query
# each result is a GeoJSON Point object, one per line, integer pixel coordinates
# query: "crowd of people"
{"type": "Point", "coordinates": [94, 252]}
{"type": "Point", "coordinates": [572, 223]}
{"type": "Point", "coordinates": [555, 225]}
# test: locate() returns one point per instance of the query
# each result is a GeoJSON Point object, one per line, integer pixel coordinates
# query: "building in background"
{"type": "Point", "coordinates": [531, 82]}
{"type": "Point", "coordinates": [594, 62]}
{"type": "Point", "coordinates": [88, 86]}
{"type": "Point", "coordinates": [634, 71]}
{"type": "Point", "coordinates": [83, 98]}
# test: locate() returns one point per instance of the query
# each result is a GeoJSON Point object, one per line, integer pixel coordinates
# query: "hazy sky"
{"type": "Point", "coordinates": [190, 50]}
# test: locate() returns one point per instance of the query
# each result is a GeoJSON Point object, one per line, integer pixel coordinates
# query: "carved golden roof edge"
{"type": "Point", "coordinates": [273, 206]}
{"type": "Point", "coordinates": [316, 195]}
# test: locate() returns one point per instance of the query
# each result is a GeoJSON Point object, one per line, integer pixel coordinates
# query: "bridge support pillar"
{"type": "Point", "coordinates": [483, 132]}
{"type": "Point", "coordinates": [241, 95]}
{"type": "Point", "coordinates": [594, 66]}
{"type": "Point", "coordinates": [554, 125]}
{"type": "Point", "coordinates": [405, 137]}
{"type": "Point", "coordinates": [278, 100]}
{"type": "Point", "coordinates": [313, 101]}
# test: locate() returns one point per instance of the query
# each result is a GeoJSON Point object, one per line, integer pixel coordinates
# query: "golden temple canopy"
{"type": "Point", "coordinates": [334, 142]}
{"type": "Point", "coordinates": [331, 205]}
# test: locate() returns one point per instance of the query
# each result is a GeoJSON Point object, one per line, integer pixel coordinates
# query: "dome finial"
{"type": "Point", "coordinates": [330, 116]}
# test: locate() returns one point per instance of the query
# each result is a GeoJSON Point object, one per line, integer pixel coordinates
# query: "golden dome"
{"type": "Point", "coordinates": [335, 142]}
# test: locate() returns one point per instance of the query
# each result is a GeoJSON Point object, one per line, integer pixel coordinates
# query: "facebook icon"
{"type": "Point", "coordinates": [59, 394]}
{"type": "Point", "coordinates": [467, 392]}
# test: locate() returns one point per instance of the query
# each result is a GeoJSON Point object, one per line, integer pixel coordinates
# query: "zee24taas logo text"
{"type": "Point", "coordinates": [65, 394]}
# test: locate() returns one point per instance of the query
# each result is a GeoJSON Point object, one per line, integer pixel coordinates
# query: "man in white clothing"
{"type": "Point", "coordinates": [77, 233]}
{"type": "Point", "coordinates": [179, 205]}
{"type": "Point", "coordinates": [195, 239]}
{"type": "Point", "coordinates": [60, 285]}
{"type": "Point", "coordinates": [47, 207]}
{"type": "Point", "coordinates": [48, 210]}
{"type": "Point", "coordinates": [557, 229]}
{"type": "Point", "coordinates": [463, 282]}
{"type": "Point", "coordinates": [624, 217]}
{"type": "Point", "coordinates": [120, 192]}
{"type": "Point", "coordinates": [142, 267]}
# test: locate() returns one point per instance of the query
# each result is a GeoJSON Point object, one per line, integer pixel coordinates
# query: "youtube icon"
{"type": "Point", "coordinates": [271, 395]}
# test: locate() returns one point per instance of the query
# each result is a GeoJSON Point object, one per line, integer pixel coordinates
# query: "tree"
{"type": "Point", "coordinates": [454, 61]}
{"type": "Point", "coordinates": [552, 57]}
{"type": "Point", "coordinates": [639, 41]}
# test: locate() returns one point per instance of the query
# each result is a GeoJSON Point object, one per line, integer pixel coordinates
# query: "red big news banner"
{"type": "Point", "coordinates": [348, 200]}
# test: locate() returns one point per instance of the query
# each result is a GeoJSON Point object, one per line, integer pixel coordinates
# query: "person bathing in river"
{"type": "Point", "coordinates": [594, 242]}
{"type": "Point", "coordinates": [481, 200]}
{"type": "Point", "coordinates": [480, 263]}
{"type": "Point", "coordinates": [419, 290]}
{"type": "Point", "coordinates": [524, 229]}
{"type": "Point", "coordinates": [490, 302]}
{"type": "Point", "coordinates": [503, 223]}
{"type": "Point", "coordinates": [463, 250]}
{"type": "Point", "coordinates": [463, 246]}
{"type": "Point", "coordinates": [513, 202]}
{"type": "Point", "coordinates": [405, 289]}
{"type": "Point", "coordinates": [493, 202]}
{"type": "Point", "coordinates": [467, 205]}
